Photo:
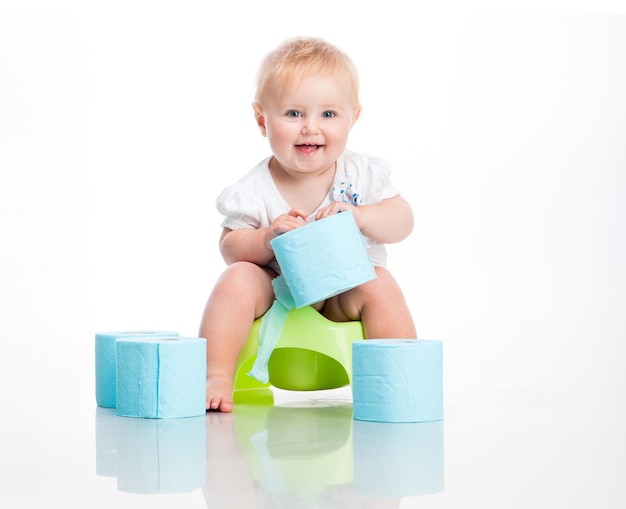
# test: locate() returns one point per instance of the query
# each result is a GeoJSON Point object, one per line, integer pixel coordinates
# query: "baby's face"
{"type": "Point", "coordinates": [307, 123]}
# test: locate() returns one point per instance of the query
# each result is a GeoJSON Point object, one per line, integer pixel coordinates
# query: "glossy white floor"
{"type": "Point", "coordinates": [494, 448]}
{"type": "Point", "coordinates": [119, 125]}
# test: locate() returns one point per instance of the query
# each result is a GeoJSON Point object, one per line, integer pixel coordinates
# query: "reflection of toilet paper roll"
{"type": "Point", "coordinates": [106, 442]}
{"type": "Point", "coordinates": [161, 455]}
{"type": "Point", "coordinates": [397, 380]}
{"type": "Point", "coordinates": [105, 362]}
{"type": "Point", "coordinates": [161, 377]}
{"type": "Point", "coordinates": [398, 459]}
{"type": "Point", "coordinates": [323, 258]}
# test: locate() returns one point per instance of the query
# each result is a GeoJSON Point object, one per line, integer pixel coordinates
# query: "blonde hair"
{"type": "Point", "coordinates": [304, 57]}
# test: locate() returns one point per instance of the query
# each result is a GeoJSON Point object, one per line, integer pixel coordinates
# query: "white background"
{"type": "Point", "coordinates": [120, 122]}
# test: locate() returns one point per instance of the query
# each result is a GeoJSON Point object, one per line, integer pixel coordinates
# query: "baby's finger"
{"type": "Point", "coordinates": [299, 213]}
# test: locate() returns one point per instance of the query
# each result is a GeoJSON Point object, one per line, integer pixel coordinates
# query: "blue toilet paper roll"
{"type": "Point", "coordinates": [397, 380]}
{"type": "Point", "coordinates": [161, 377]}
{"type": "Point", "coordinates": [396, 460]}
{"type": "Point", "coordinates": [105, 361]}
{"type": "Point", "coordinates": [323, 258]}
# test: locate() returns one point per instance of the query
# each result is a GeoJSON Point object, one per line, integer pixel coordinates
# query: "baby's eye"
{"type": "Point", "coordinates": [328, 114]}
{"type": "Point", "coordinates": [294, 114]}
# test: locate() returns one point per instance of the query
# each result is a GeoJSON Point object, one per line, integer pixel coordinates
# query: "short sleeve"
{"type": "Point", "coordinates": [239, 207]}
{"type": "Point", "coordinates": [380, 171]}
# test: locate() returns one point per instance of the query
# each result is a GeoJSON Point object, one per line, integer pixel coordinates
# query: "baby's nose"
{"type": "Point", "coordinates": [311, 126]}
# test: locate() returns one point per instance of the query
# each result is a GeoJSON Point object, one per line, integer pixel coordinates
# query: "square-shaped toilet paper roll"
{"type": "Point", "coordinates": [161, 377]}
{"type": "Point", "coordinates": [105, 361]}
{"type": "Point", "coordinates": [323, 258]}
{"type": "Point", "coordinates": [397, 380]}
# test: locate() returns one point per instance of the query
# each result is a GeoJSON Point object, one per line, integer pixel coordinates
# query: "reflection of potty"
{"type": "Point", "coordinates": [398, 459]}
{"type": "Point", "coordinates": [312, 353]}
{"type": "Point", "coordinates": [298, 451]}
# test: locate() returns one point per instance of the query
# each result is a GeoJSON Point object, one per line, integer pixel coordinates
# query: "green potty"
{"type": "Point", "coordinates": [312, 353]}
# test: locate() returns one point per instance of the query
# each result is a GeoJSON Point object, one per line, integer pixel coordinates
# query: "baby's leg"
{"type": "Point", "coordinates": [379, 304]}
{"type": "Point", "coordinates": [242, 294]}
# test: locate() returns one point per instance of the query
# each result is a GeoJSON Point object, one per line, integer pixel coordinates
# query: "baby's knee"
{"type": "Point", "coordinates": [247, 277]}
{"type": "Point", "coordinates": [383, 287]}
{"type": "Point", "coordinates": [243, 269]}
{"type": "Point", "coordinates": [384, 279]}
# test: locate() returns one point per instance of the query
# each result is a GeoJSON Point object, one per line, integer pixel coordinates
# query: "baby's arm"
{"type": "Point", "coordinates": [386, 222]}
{"type": "Point", "coordinates": [246, 244]}
{"type": "Point", "coordinates": [253, 244]}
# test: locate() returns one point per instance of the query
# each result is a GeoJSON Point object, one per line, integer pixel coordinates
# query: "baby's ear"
{"type": "Point", "coordinates": [356, 115]}
{"type": "Point", "coordinates": [259, 117]}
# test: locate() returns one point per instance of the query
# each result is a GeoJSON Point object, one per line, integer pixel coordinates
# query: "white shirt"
{"type": "Point", "coordinates": [254, 201]}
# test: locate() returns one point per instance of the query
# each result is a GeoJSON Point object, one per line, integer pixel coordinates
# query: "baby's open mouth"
{"type": "Point", "coordinates": [307, 149]}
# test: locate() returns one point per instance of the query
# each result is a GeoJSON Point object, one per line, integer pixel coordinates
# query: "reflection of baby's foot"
{"type": "Point", "coordinates": [219, 422]}
{"type": "Point", "coordinates": [219, 394]}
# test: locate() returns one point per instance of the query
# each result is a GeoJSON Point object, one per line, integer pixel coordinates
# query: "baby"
{"type": "Point", "coordinates": [307, 101]}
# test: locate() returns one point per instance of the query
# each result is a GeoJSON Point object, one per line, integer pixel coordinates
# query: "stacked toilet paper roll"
{"type": "Point", "coordinates": [395, 460]}
{"type": "Point", "coordinates": [397, 380]}
{"type": "Point", "coordinates": [161, 377]}
{"type": "Point", "coordinates": [323, 258]}
{"type": "Point", "coordinates": [106, 364]}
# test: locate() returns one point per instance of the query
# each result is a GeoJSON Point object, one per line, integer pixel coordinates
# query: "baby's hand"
{"type": "Point", "coordinates": [336, 207]}
{"type": "Point", "coordinates": [285, 223]}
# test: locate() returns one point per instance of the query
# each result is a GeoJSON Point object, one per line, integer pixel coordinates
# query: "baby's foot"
{"type": "Point", "coordinates": [219, 394]}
